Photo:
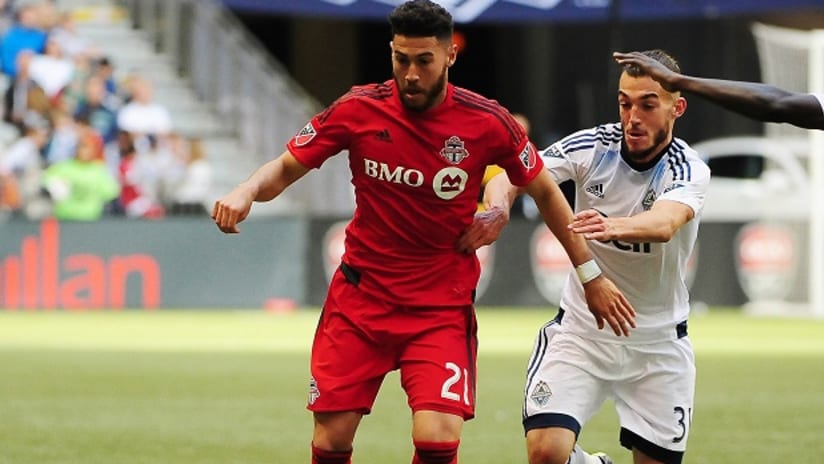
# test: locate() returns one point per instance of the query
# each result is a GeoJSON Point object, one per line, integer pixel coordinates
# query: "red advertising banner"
{"type": "Point", "coordinates": [118, 264]}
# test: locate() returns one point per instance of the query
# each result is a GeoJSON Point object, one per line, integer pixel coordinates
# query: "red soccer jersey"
{"type": "Point", "coordinates": [417, 177]}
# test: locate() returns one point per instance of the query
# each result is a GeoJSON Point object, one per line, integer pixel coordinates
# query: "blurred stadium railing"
{"type": "Point", "coordinates": [220, 84]}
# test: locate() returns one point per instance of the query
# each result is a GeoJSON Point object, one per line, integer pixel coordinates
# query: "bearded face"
{"type": "Point", "coordinates": [417, 98]}
{"type": "Point", "coordinates": [648, 114]}
{"type": "Point", "coordinates": [419, 67]}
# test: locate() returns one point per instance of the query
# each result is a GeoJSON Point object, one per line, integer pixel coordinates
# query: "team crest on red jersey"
{"type": "Point", "coordinates": [454, 150]}
{"type": "Point", "coordinates": [529, 156]}
{"type": "Point", "coordinates": [305, 135]}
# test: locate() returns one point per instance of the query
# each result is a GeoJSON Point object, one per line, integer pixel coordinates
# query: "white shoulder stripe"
{"type": "Point", "coordinates": [586, 139]}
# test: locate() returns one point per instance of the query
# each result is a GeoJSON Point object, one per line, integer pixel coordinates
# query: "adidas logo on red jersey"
{"type": "Point", "coordinates": [383, 136]}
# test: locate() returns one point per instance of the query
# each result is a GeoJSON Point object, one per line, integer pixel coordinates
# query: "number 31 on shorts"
{"type": "Point", "coordinates": [458, 374]}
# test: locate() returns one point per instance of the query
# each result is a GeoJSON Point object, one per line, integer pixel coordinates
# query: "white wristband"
{"type": "Point", "coordinates": [588, 271]}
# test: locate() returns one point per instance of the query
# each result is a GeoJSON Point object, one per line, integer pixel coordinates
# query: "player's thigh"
{"type": "Point", "coordinates": [438, 365]}
{"type": "Point", "coordinates": [657, 407]}
{"type": "Point", "coordinates": [565, 383]}
{"type": "Point", "coordinates": [348, 365]}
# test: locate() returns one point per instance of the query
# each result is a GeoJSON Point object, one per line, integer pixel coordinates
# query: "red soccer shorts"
{"type": "Point", "coordinates": [361, 338]}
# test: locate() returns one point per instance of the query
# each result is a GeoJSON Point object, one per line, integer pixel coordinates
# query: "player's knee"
{"type": "Point", "coordinates": [335, 431]}
{"type": "Point", "coordinates": [434, 426]}
{"type": "Point", "coordinates": [545, 454]}
{"type": "Point", "coordinates": [544, 447]}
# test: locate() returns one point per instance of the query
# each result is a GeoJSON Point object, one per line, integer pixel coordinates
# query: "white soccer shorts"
{"type": "Point", "coordinates": [653, 385]}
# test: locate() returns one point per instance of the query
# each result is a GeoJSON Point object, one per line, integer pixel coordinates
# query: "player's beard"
{"type": "Point", "coordinates": [641, 156]}
{"type": "Point", "coordinates": [430, 96]}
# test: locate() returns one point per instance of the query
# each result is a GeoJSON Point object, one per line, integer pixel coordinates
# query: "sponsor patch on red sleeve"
{"type": "Point", "coordinates": [305, 135]}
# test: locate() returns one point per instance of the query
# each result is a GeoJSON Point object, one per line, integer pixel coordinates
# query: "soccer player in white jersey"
{"type": "Point", "coordinates": [755, 100]}
{"type": "Point", "coordinates": [639, 196]}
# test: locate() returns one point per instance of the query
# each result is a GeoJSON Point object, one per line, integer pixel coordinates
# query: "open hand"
{"type": "Point", "coordinates": [609, 306]}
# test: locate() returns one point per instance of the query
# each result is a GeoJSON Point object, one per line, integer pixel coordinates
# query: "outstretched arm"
{"type": "Point", "coordinates": [604, 299]}
{"type": "Point", "coordinates": [756, 100]}
{"type": "Point", "coordinates": [657, 225]}
{"type": "Point", "coordinates": [263, 185]}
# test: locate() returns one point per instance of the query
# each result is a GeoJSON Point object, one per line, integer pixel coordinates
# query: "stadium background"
{"type": "Point", "coordinates": [84, 382]}
{"type": "Point", "coordinates": [560, 74]}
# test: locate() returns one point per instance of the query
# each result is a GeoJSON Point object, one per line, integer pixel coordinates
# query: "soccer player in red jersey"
{"type": "Point", "coordinates": [402, 298]}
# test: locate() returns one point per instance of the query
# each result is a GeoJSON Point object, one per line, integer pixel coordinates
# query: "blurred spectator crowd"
{"type": "Point", "coordinates": [80, 139]}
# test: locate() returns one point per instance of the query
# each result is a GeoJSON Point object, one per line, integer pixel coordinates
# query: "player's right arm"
{"type": "Point", "coordinates": [265, 184]}
{"type": "Point", "coordinates": [756, 100]}
{"type": "Point", "coordinates": [656, 225]}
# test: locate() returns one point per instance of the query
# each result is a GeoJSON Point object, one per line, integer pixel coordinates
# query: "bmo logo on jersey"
{"type": "Point", "coordinates": [447, 183]}
{"type": "Point", "coordinates": [396, 175]}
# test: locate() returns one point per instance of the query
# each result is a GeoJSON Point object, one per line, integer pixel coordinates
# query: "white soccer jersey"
{"type": "Point", "coordinates": [651, 275]}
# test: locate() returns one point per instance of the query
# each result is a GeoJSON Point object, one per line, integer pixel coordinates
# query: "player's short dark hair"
{"type": "Point", "coordinates": [421, 18]}
{"type": "Point", "coordinates": [658, 55]}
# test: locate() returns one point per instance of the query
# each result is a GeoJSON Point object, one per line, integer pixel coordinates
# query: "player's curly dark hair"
{"type": "Point", "coordinates": [421, 18]}
{"type": "Point", "coordinates": [658, 55]}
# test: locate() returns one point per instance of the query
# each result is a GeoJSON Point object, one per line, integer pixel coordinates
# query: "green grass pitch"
{"type": "Point", "coordinates": [221, 387]}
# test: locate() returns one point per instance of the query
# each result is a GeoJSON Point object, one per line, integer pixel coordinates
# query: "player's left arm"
{"type": "Point", "coordinates": [557, 215]}
{"type": "Point", "coordinates": [486, 227]}
{"type": "Point", "coordinates": [658, 224]}
{"type": "Point", "coordinates": [604, 300]}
